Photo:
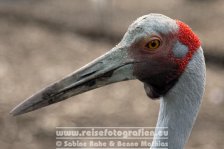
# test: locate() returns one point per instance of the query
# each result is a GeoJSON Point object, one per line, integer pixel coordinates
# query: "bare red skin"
{"type": "Point", "coordinates": [187, 37]}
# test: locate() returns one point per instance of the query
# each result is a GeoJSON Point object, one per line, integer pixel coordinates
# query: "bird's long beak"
{"type": "Point", "coordinates": [114, 66]}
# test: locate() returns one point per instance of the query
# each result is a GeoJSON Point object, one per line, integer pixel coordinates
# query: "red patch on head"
{"type": "Point", "coordinates": [187, 37]}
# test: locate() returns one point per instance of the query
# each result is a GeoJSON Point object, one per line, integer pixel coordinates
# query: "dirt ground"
{"type": "Point", "coordinates": [42, 41]}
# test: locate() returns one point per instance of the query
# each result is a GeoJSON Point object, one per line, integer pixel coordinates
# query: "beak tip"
{"type": "Point", "coordinates": [17, 111]}
{"type": "Point", "coordinates": [22, 108]}
{"type": "Point", "coordinates": [14, 113]}
{"type": "Point", "coordinates": [28, 105]}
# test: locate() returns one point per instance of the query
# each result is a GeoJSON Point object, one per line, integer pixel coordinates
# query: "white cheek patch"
{"type": "Point", "coordinates": [180, 50]}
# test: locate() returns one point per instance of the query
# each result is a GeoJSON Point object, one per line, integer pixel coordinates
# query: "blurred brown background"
{"type": "Point", "coordinates": [42, 41]}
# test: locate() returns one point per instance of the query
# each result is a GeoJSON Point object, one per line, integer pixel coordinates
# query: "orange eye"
{"type": "Point", "coordinates": [153, 44]}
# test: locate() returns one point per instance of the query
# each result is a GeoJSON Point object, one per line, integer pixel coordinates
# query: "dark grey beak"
{"type": "Point", "coordinates": [114, 66]}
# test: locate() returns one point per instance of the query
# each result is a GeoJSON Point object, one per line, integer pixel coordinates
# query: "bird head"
{"type": "Point", "coordinates": [162, 48]}
{"type": "Point", "coordinates": [155, 50]}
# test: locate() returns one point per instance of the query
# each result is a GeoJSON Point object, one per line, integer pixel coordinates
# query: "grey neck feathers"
{"type": "Point", "coordinates": [179, 107]}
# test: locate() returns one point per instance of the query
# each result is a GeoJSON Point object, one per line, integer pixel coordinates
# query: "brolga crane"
{"type": "Point", "coordinates": [162, 53]}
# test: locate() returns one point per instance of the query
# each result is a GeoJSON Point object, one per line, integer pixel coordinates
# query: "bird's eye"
{"type": "Point", "coordinates": [153, 44]}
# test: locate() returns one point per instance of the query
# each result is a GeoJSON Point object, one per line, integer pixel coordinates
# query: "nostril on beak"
{"type": "Point", "coordinates": [87, 74]}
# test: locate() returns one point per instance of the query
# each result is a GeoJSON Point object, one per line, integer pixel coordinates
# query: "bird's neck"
{"type": "Point", "coordinates": [179, 107]}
